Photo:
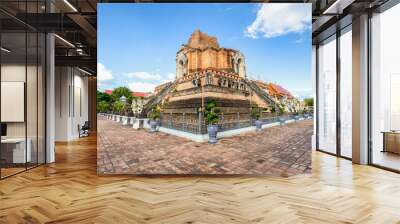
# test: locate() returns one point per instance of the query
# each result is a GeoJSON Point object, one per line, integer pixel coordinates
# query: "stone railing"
{"type": "Point", "coordinates": [209, 88]}
{"type": "Point", "coordinates": [194, 123]}
{"type": "Point", "coordinates": [260, 92]}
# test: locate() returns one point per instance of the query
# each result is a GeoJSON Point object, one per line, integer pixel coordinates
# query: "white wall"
{"type": "Point", "coordinates": [34, 124]}
{"type": "Point", "coordinates": [71, 103]}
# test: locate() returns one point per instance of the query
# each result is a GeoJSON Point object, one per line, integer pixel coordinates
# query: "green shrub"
{"type": "Point", "coordinates": [281, 110]}
{"type": "Point", "coordinates": [255, 111]}
{"type": "Point", "coordinates": [154, 113]}
{"type": "Point", "coordinates": [211, 113]}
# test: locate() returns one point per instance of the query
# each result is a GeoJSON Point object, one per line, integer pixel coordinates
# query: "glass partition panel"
{"type": "Point", "coordinates": [346, 92]}
{"type": "Point", "coordinates": [327, 95]}
{"type": "Point", "coordinates": [41, 98]}
{"type": "Point", "coordinates": [22, 88]}
{"type": "Point", "coordinates": [14, 154]}
{"type": "Point", "coordinates": [31, 98]}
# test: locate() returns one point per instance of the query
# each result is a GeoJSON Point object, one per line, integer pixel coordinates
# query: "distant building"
{"type": "Point", "coordinates": [141, 94]}
{"type": "Point", "coordinates": [140, 99]}
{"type": "Point", "coordinates": [280, 95]}
{"type": "Point", "coordinates": [108, 91]}
{"type": "Point", "coordinates": [135, 94]}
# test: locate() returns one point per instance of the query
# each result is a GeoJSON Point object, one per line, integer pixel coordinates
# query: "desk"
{"type": "Point", "coordinates": [13, 150]}
{"type": "Point", "coordinates": [391, 141]}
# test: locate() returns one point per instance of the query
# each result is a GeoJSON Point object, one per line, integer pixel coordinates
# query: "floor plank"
{"type": "Point", "coordinates": [70, 191]}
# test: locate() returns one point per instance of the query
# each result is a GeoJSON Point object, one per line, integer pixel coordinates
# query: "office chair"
{"type": "Point", "coordinates": [84, 130]}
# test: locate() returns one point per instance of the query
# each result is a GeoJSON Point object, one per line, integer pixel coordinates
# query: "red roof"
{"type": "Point", "coordinates": [277, 89]}
{"type": "Point", "coordinates": [135, 94]}
{"type": "Point", "coordinates": [140, 94]}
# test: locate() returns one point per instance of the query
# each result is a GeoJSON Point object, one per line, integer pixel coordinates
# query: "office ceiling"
{"type": "Point", "coordinates": [328, 13]}
{"type": "Point", "coordinates": [75, 22]}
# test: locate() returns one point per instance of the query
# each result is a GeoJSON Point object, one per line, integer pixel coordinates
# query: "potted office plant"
{"type": "Point", "coordinates": [255, 114]}
{"type": "Point", "coordinates": [154, 114]}
{"type": "Point", "coordinates": [212, 118]}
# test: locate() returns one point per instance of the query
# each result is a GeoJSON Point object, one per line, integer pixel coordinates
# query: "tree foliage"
{"type": "Point", "coordinates": [103, 97]}
{"type": "Point", "coordinates": [122, 91]}
{"type": "Point", "coordinates": [118, 107]}
{"type": "Point", "coordinates": [103, 106]}
{"type": "Point", "coordinates": [309, 102]}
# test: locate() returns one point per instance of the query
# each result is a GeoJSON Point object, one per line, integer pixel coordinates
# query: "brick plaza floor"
{"type": "Point", "coordinates": [281, 151]}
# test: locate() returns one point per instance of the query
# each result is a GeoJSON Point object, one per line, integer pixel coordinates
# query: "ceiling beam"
{"type": "Point", "coordinates": [77, 61]}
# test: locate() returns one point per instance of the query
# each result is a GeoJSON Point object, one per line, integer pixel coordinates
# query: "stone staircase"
{"type": "Point", "coordinates": [254, 87]}
{"type": "Point", "coordinates": [160, 96]}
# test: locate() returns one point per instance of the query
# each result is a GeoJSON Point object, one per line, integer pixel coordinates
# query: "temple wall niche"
{"type": "Point", "coordinates": [181, 65]}
{"type": "Point", "coordinates": [238, 64]}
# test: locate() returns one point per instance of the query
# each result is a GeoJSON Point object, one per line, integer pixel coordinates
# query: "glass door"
{"type": "Point", "coordinates": [22, 101]}
{"type": "Point", "coordinates": [346, 92]}
{"type": "Point", "coordinates": [327, 95]}
{"type": "Point", "coordinates": [13, 103]}
{"type": "Point", "coordinates": [385, 89]}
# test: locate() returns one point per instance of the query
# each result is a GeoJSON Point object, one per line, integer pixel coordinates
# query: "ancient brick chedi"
{"type": "Point", "coordinates": [203, 52]}
{"type": "Point", "coordinates": [205, 70]}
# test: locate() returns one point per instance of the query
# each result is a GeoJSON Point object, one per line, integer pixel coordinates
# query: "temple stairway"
{"type": "Point", "coordinates": [254, 87]}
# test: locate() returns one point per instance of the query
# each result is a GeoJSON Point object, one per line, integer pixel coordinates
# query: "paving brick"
{"type": "Point", "coordinates": [279, 151]}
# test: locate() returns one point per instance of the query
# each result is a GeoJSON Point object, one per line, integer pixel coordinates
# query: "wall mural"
{"type": "Point", "coordinates": [212, 95]}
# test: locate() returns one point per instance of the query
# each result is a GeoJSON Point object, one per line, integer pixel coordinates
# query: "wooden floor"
{"type": "Point", "coordinates": [69, 191]}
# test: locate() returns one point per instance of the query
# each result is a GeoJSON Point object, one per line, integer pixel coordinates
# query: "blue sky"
{"type": "Point", "coordinates": [137, 43]}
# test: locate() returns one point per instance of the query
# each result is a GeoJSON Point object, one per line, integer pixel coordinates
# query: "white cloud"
{"type": "Point", "coordinates": [103, 73]}
{"type": "Point", "coordinates": [277, 19]}
{"type": "Point", "coordinates": [298, 41]}
{"type": "Point", "coordinates": [144, 76]}
{"type": "Point", "coordinates": [171, 77]}
{"type": "Point", "coordinates": [142, 86]}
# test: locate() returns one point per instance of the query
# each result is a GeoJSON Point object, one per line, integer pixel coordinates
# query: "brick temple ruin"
{"type": "Point", "coordinates": [204, 71]}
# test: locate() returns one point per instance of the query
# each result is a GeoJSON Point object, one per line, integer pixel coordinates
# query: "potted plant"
{"type": "Point", "coordinates": [154, 115]}
{"type": "Point", "coordinates": [212, 118]}
{"type": "Point", "coordinates": [296, 115]}
{"type": "Point", "coordinates": [255, 114]}
{"type": "Point", "coordinates": [281, 111]}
